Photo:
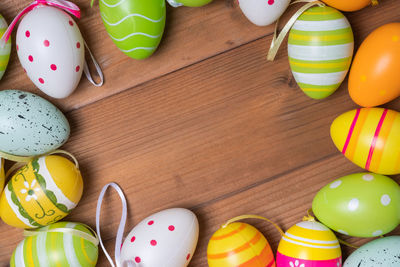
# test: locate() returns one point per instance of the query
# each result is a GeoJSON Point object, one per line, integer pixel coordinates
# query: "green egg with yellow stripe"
{"type": "Point", "coordinates": [61, 244]}
{"type": "Point", "coordinates": [6, 50]}
{"type": "Point", "coordinates": [320, 49]}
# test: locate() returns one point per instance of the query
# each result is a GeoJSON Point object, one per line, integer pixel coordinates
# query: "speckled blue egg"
{"type": "Point", "coordinates": [383, 252]}
{"type": "Point", "coordinates": [30, 125]}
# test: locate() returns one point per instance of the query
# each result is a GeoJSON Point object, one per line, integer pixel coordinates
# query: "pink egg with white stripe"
{"type": "Point", "coordinates": [51, 50]}
{"type": "Point", "coordinates": [167, 238]}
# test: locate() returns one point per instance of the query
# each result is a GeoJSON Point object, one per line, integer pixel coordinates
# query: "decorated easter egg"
{"type": "Point", "coordinates": [263, 12]}
{"type": "Point", "coordinates": [2, 175]}
{"type": "Point", "coordinates": [29, 124]}
{"type": "Point", "coordinates": [6, 50]}
{"type": "Point", "coordinates": [320, 49]}
{"type": "Point", "coordinates": [374, 78]}
{"type": "Point", "coordinates": [345, 5]}
{"type": "Point", "coordinates": [239, 244]}
{"type": "Point", "coordinates": [361, 204]}
{"type": "Point", "coordinates": [370, 138]}
{"type": "Point", "coordinates": [191, 3]}
{"type": "Point", "coordinates": [57, 245]}
{"type": "Point", "coordinates": [380, 252]}
{"type": "Point", "coordinates": [42, 192]}
{"type": "Point", "coordinates": [51, 49]}
{"type": "Point", "coordinates": [309, 243]}
{"type": "Point", "coordinates": [167, 238]}
{"type": "Point", "coordinates": [136, 27]}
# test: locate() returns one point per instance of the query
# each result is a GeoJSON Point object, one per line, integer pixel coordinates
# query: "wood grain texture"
{"type": "Point", "coordinates": [205, 124]}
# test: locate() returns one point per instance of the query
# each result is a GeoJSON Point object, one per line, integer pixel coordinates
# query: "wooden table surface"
{"type": "Point", "coordinates": [206, 123]}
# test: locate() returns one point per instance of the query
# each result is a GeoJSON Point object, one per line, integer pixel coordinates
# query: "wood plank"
{"type": "Point", "coordinates": [192, 35]}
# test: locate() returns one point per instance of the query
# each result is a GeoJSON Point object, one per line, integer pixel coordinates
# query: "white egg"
{"type": "Point", "coordinates": [167, 238]}
{"type": "Point", "coordinates": [51, 49]}
{"type": "Point", "coordinates": [263, 12]}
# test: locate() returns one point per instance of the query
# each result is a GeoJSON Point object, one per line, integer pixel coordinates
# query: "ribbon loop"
{"type": "Point", "coordinates": [241, 217]}
{"type": "Point", "coordinates": [61, 4]}
{"type": "Point", "coordinates": [277, 40]}
{"type": "Point", "coordinates": [121, 227]}
{"type": "Point", "coordinates": [96, 65]}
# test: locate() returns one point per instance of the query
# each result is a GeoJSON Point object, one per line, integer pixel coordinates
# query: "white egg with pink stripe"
{"type": "Point", "coordinates": [167, 238]}
{"type": "Point", "coordinates": [51, 50]}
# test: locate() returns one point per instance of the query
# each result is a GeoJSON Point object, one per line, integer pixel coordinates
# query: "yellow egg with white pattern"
{"type": "Point", "coordinates": [41, 193]}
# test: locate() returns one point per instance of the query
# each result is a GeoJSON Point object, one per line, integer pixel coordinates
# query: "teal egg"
{"type": "Point", "coordinates": [360, 204]}
{"type": "Point", "coordinates": [383, 252]}
{"type": "Point", "coordinates": [30, 125]}
{"type": "Point", "coordinates": [50, 249]}
{"type": "Point", "coordinates": [135, 26]}
{"type": "Point", "coordinates": [6, 50]}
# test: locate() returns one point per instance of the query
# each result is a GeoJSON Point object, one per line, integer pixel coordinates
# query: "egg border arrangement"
{"type": "Point", "coordinates": [45, 184]}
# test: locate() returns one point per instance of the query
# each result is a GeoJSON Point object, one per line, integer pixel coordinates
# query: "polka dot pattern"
{"type": "Point", "coordinates": [78, 45]}
{"type": "Point", "coordinates": [46, 43]}
{"type": "Point", "coordinates": [41, 80]}
{"type": "Point", "coordinates": [335, 184]}
{"type": "Point", "coordinates": [133, 239]}
{"type": "Point", "coordinates": [27, 34]}
{"type": "Point", "coordinates": [138, 259]}
{"type": "Point", "coordinates": [271, 2]}
{"type": "Point", "coordinates": [385, 200]}
{"type": "Point", "coordinates": [377, 233]}
{"type": "Point", "coordinates": [71, 23]}
{"type": "Point", "coordinates": [30, 58]}
{"type": "Point", "coordinates": [53, 67]}
{"type": "Point", "coordinates": [153, 242]}
{"type": "Point", "coordinates": [353, 204]}
{"type": "Point", "coordinates": [171, 228]}
{"type": "Point", "coordinates": [368, 177]}
{"type": "Point", "coordinates": [77, 68]}
{"type": "Point", "coordinates": [150, 223]}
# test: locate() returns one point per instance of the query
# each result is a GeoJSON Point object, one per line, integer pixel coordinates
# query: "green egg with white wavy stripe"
{"type": "Point", "coordinates": [49, 249]}
{"type": "Point", "coordinates": [135, 26]}
{"type": "Point", "coordinates": [6, 50]}
{"type": "Point", "coordinates": [320, 50]}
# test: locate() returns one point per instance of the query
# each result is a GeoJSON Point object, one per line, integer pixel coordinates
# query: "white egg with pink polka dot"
{"type": "Point", "coordinates": [167, 238]}
{"type": "Point", "coordinates": [263, 12]}
{"type": "Point", "coordinates": [51, 50]}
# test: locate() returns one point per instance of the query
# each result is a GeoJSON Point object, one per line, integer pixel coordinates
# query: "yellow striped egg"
{"type": "Point", "coordinates": [239, 245]}
{"type": "Point", "coordinates": [59, 245]}
{"type": "Point", "coordinates": [320, 49]}
{"type": "Point", "coordinates": [370, 138]}
{"type": "Point", "coordinates": [6, 50]}
{"type": "Point", "coordinates": [2, 176]}
{"type": "Point", "coordinates": [309, 243]}
{"type": "Point", "coordinates": [42, 192]}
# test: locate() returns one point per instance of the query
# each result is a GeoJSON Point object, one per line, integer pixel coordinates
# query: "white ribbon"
{"type": "Point", "coordinates": [96, 65]}
{"type": "Point", "coordinates": [121, 227]}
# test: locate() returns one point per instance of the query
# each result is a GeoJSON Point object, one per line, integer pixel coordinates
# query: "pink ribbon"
{"type": "Point", "coordinates": [62, 4]}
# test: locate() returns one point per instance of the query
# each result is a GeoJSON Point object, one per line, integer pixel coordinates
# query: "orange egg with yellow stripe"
{"type": "Point", "coordinates": [370, 138]}
{"type": "Point", "coordinates": [309, 243]}
{"type": "Point", "coordinates": [239, 245]}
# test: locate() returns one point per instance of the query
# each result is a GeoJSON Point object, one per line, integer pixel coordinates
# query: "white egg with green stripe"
{"type": "Point", "coordinates": [320, 49]}
{"type": "Point", "coordinates": [6, 50]}
{"type": "Point", "coordinates": [61, 244]}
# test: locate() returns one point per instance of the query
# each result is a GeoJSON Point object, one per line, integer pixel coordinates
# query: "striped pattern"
{"type": "Point", "coordinates": [369, 138]}
{"type": "Point", "coordinates": [56, 249]}
{"type": "Point", "coordinates": [2, 175]}
{"type": "Point", "coordinates": [135, 26]}
{"type": "Point", "coordinates": [239, 245]}
{"type": "Point", "coordinates": [309, 241]}
{"type": "Point", "coordinates": [4, 52]}
{"type": "Point", "coordinates": [320, 50]}
{"type": "Point", "coordinates": [41, 193]}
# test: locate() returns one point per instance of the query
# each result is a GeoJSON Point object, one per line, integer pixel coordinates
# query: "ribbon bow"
{"type": "Point", "coordinates": [62, 4]}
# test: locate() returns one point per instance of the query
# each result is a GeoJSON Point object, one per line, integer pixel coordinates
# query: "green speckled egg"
{"type": "Point", "coordinates": [50, 249]}
{"type": "Point", "coordinates": [361, 205]}
{"type": "Point", "coordinates": [30, 125]}
{"type": "Point", "coordinates": [384, 252]}
{"type": "Point", "coordinates": [135, 26]}
{"type": "Point", "coordinates": [6, 50]}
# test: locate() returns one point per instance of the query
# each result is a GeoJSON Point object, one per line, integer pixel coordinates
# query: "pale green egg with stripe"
{"type": "Point", "coordinates": [50, 249]}
{"type": "Point", "coordinates": [6, 50]}
{"type": "Point", "coordinates": [135, 26]}
{"type": "Point", "coordinates": [320, 49]}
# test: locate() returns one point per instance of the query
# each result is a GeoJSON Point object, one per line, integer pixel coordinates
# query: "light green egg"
{"type": "Point", "coordinates": [361, 205]}
{"type": "Point", "coordinates": [320, 49]}
{"type": "Point", "coordinates": [50, 249]}
{"type": "Point", "coordinates": [6, 50]}
{"type": "Point", "coordinates": [135, 26]}
{"type": "Point", "coordinates": [384, 252]}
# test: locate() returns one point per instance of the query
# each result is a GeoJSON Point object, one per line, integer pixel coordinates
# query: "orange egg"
{"type": "Point", "coordinates": [348, 5]}
{"type": "Point", "coordinates": [374, 77]}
